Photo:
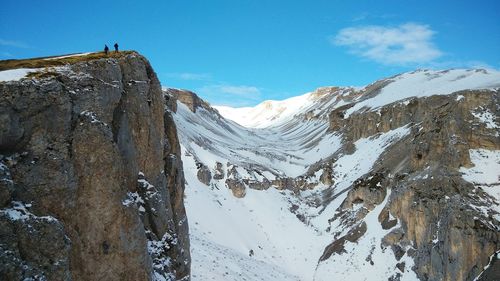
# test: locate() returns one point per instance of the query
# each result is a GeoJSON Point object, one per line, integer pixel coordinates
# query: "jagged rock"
{"type": "Point", "coordinates": [87, 148]}
{"type": "Point", "coordinates": [337, 247]}
{"type": "Point", "coordinates": [32, 246]}
{"type": "Point", "coordinates": [6, 184]}
{"type": "Point", "coordinates": [11, 131]}
{"type": "Point", "coordinates": [190, 99]}
{"type": "Point", "coordinates": [393, 237]}
{"type": "Point", "coordinates": [385, 219]}
{"type": "Point", "coordinates": [492, 271]}
{"type": "Point", "coordinates": [429, 199]}
{"type": "Point", "coordinates": [326, 176]}
{"type": "Point", "coordinates": [368, 191]}
{"type": "Point", "coordinates": [237, 187]}
{"type": "Point", "coordinates": [170, 100]}
{"type": "Point", "coordinates": [204, 175]}
{"type": "Point", "coordinates": [258, 185]}
{"type": "Point", "coordinates": [218, 171]}
{"type": "Point", "coordinates": [401, 266]}
{"type": "Point", "coordinates": [175, 181]}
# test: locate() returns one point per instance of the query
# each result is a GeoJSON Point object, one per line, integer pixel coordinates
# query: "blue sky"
{"type": "Point", "coordinates": [241, 52]}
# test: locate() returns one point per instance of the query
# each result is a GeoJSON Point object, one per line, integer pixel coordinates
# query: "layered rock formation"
{"type": "Point", "coordinates": [448, 225]}
{"type": "Point", "coordinates": [91, 177]}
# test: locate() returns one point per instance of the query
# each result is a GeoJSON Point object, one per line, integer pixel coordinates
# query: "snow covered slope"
{"type": "Point", "coordinates": [420, 83]}
{"type": "Point", "coordinates": [296, 178]}
{"type": "Point", "coordinates": [272, 113]}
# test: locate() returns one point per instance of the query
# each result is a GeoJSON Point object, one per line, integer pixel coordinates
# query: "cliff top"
{"type": "Point", "coordinates": [59, 60]}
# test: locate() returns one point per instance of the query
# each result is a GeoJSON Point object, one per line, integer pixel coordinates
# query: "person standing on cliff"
{"type": "Point", "coordinates": [116, 47]}
{"type": "Point", "coordinates": [106, 49]}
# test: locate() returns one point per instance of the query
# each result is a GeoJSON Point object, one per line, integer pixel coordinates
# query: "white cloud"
{"type": "Point", "coordinates": [408, 43]}
{"type": "Point", "coordinates": [239, 90]}
{"type": "Point", "coordinates": [189, 76]}
{"type": "Point", "coordinates": [231, 95]}
{"type": "Point", "coordinates": [16, 44]}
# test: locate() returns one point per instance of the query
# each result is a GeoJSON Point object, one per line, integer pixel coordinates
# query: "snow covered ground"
{"type": "Point", "coordinates": [280, 151]}
{"type": "Point", "coordinates": [226, 229]}
{"type": "Point", "coordinates": [260, 222]}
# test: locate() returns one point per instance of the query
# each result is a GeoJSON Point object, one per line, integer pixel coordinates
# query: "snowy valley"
{"type": "Point", "coordinates": [329, 185]}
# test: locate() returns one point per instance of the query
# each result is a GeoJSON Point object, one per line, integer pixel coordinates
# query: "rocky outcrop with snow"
{"type": "Point", "coordinates": [91, 180]}
{"type": "Point", "coordinates": [397, 180]}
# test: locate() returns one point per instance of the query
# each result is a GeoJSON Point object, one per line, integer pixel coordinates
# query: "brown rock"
{"type": "Point", "coordinates": [93, 149]}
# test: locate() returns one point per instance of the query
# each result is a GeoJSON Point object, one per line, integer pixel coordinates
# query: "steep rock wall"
{"type": "Point", "coordinates": [91, 181]}
{"type": "Point", "coordinates": [446, 224]}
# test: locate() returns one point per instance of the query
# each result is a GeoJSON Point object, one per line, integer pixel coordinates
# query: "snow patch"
{"type": "Point", "coordinates": [161, 262]}
{"type": "Point", "coordinates": [485, 173]}
{"type": "Point", "coordinates": [428, 83]}
{"type": "Point", "coordinates": [68, 56]}
{"type": "Point", "coordinates": [16, 74]}
{"type": "Point", "coordinates": [20, 212]}
{"type": "Point", "coordinates": [486, 117]}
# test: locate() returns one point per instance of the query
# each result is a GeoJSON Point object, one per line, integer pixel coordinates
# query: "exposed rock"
{"type": "Point", "coordinates": [259, 185]}
{"type": "Point", "coordinates": [32, 246]}
{"type": "Point", "coordinates": [6, 185]}
{"type": "Point", "coordinates": [385, 219]}
{"type": "Point", "coordinates": [218, 171]}
{"type": "Point", "coordinates": [190, 99]}
{"type": "Point", "coordinates": [436, 210]}
{"type": "Point", "coordinates": [368, 191]}
{"type": "Point", "coordinates": [237, 187]}
{"type": "Point", "coordinates": [401, 266]}
{"type": "Point", "coordinates": [175, 183]}
{"type": "Point", "coordinates": [492, 271]}
{"type": "Point", "coordinates": [94, 159]}
{"type": "Point", "coordinates": [204, 175]}
{"type": "Point", "coordinates": [337, 246]}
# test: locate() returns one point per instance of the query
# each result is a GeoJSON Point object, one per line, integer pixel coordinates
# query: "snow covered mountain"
{"type": "Point", "coordinates": [397, 180]}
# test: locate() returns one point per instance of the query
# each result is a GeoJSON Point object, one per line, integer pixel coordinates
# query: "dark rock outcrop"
{"type": "Point", "coordinates": [91, 180]}
{"type": "Point", "coordinates": [204, 175]}
{"type": "Point", "coordinates": [190, 99]}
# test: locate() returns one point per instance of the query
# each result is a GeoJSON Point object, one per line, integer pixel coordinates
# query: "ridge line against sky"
{"type": "Point", "coordinates": [239, 53]}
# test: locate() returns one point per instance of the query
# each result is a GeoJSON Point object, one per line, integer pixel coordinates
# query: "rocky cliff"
{"type": "Point", "coordinates": [448, 225]}
{"type": "Point", "coordinates": [91, 177]}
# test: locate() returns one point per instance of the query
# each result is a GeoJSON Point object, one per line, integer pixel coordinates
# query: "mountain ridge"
{"type": "Point", "coordinates": [453, 75]}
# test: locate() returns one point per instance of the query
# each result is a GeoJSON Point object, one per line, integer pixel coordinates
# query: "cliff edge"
{"type": "Point", "coordinates": [91, 179]}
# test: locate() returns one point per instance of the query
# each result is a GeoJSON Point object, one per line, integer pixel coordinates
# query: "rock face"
{"type": "Point", "coordinates": [190, 99]}
{"type": "Point", "coordinates": [441, 218]}
{"type": "Point", "coordinates": [91, 178]}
